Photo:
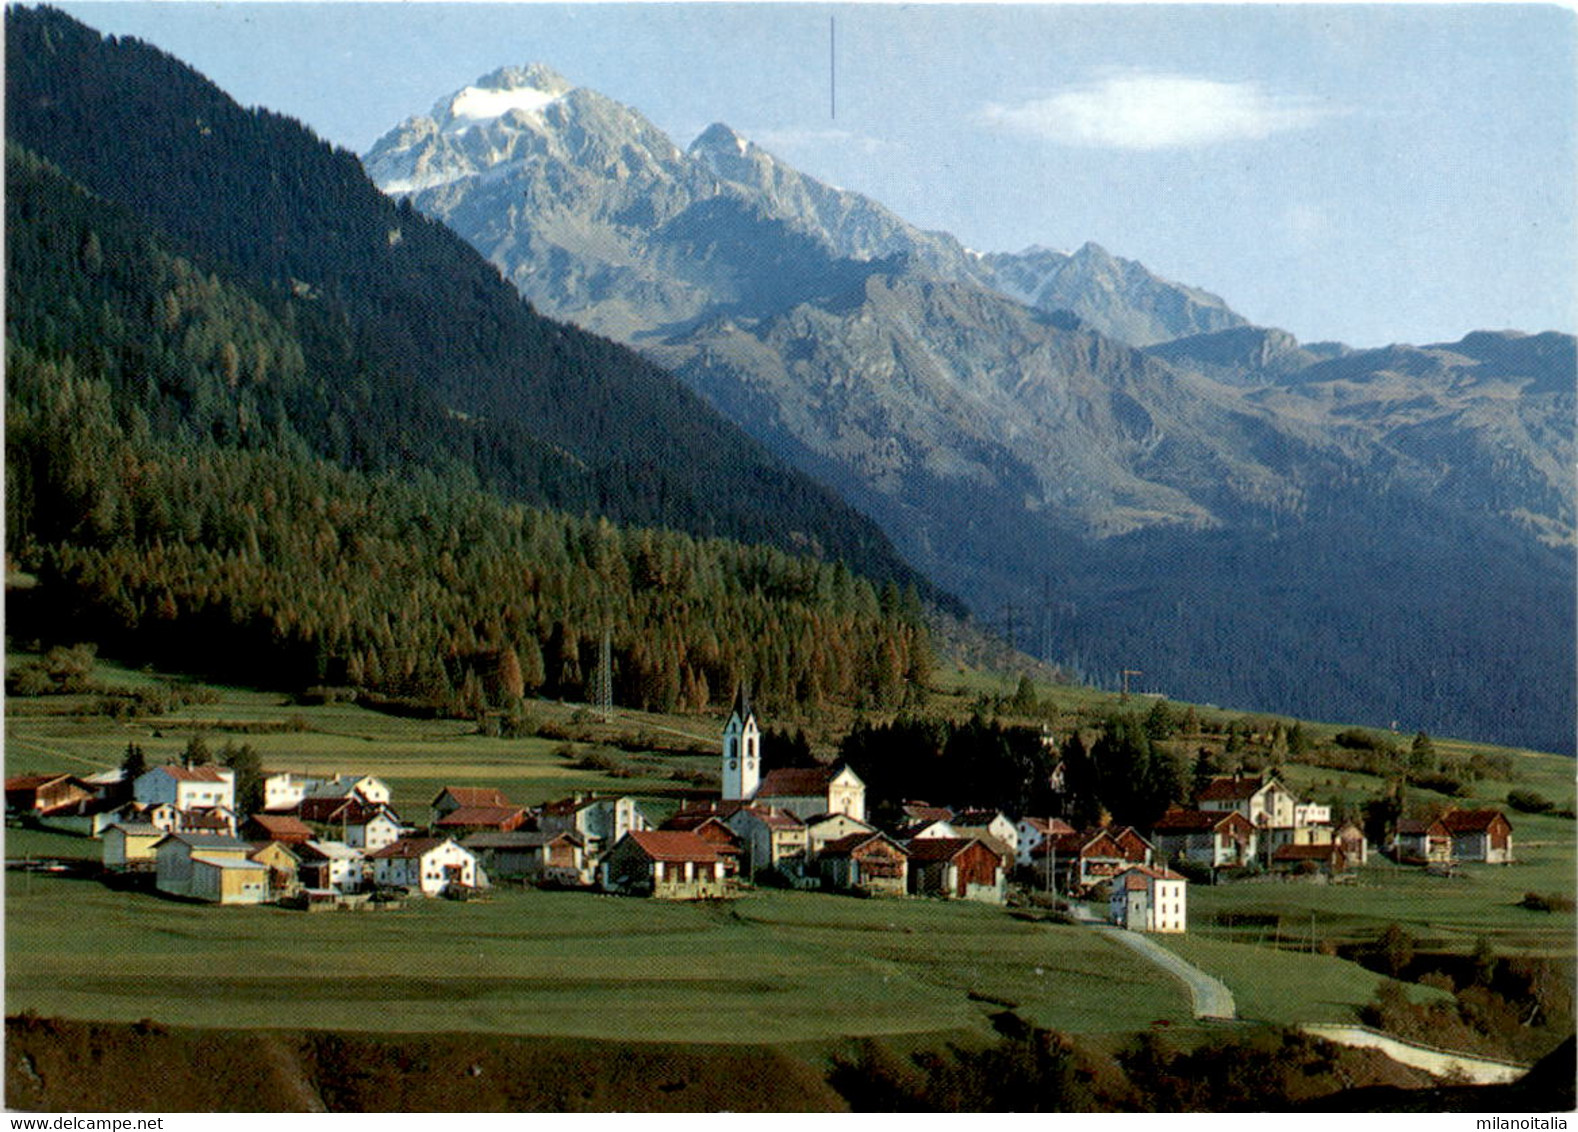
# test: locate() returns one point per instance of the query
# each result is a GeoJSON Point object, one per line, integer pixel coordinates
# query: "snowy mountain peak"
{"type": "Point", "coordinates": [529, 89]}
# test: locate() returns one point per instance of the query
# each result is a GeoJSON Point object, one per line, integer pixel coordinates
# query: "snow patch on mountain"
{"type": "Point", "coordinates": [476, 104]}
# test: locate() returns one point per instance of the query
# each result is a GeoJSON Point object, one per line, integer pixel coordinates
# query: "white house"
{"type": "Point", "coordinates": [603, 821]}
{"type": "Point", "coordinates": [374, 830]}
{"type": "Point", "coordinates": [331, 864]}
{"type": "Point", "coordinates": [284, 791]}
{"type": "Point", "coordinates": [187, 788]}
{"type": "Point", "coordinates": [1146, 898]}
{"type": "Point", "coordinates": [426, 864]}
{"type": "Point", "coordinates": [770, 839]}
{"type": "Point", "coordinates": [1270, 807]}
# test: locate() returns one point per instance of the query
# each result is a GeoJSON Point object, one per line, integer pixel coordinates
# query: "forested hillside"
{"type": "Point", "coordinates": [244, 474]}
{"type": "Point", "coordinates": [408, 349]}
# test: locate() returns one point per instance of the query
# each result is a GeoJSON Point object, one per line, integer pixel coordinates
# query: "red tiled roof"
{"type": "Point", "coordinates": [574, 805]}
{"type": "Point", "coordinates": [940, 848]}
{"type": "Point", "coordinates": [773, 817]}
{"type": "Point", "coordinates": [1195, 821]}
{"type": "Point", "coordinates": [1046, 826]}
{"type": "Point", "coordinates": [924, 811]}
{"type": "Point", "coordinates": [844, 846]}
{"type": "Point", "coordinates": [1231, 789]}
{"type": "Point", "coordinates": [481, 815]}
{"type": "Point", "coordinates": [193, 773]}
{"type": "Point", "coordinates": [675, 845]}
{"type": "Point", "coordinates": [281, 825]}
{"type": "Point", "coordinates": [32, 781]}
{"type": "Point", "coordinates": [1154, 872]}
{"type": "Point", "coordinates": [1471, 821]}
{"type": "Point", "coordinates": [406, 848]}
{"type": "Point", "coordinates": [474, 796]}
{"type": "Point", "coordinates": [796, 782]}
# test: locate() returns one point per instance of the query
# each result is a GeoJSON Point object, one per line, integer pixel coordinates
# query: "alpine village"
{"type": "Point", "coordinates": [417, 702]}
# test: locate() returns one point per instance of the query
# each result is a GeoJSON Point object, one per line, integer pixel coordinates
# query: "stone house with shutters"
{"type": "Point", "coordinates": [669, 864]}
{"type": "Point", "coordinates": [872, 863]}
{"type": "Point", "coordinates": [956, 868]}
{"type": "Point", "coordinates": [1146, 898]}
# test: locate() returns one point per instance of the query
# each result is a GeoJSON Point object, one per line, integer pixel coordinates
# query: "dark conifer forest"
{"type": "Point", "coordinates": [265, 424]}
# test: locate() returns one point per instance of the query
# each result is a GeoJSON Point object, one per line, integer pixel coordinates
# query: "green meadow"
{"type": "Point", "coordinates": [772, 966]}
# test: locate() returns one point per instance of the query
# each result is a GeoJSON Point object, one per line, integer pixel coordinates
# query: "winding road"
{"type": "Point", "coordinates": [1210, 996]}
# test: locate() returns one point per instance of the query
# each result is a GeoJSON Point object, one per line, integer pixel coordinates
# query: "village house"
{"type": "Point", "coordinates": [129, 846]}
{"type": "Point", "coordinates": [284, 867]}
{"type": "Point", "coordinates": [86, 817]}
{"type": "Point", "coordinates": [822, 828]}
{"type": "Point", "coordinates": [1312, 824]}
{"type": "Point", "coordinates": [1327, 858]}
{"type": "Point", "coordinates": [1217, 838]}
{"type": "Point", "coordinates": [1033, 831]}
{"type": "Point", "coordinates": [187, 788]}
{"type": "Point", "coordinates": [331, 865]}
{"type": "Point", "coordinates": [284, 791]}
{"type": "Point", "coordinates": [770, 838]}
{"type": "Point", "coordinates": [209, 819]}
{"type": "Point", "coordinates": [37, 795]}
{"type": "Point", "coordinates": [372, 827]}
{"type": "Point", "coordinates": [1081, 860]}
{"type": "Point", "coordinates": [669, 864]}
{"type": "Point", "coordinates": [175, 870]}
{"type": "Point", "coordinates": [161, 815]}
{"type": "Point", "coordinates": [284, 828]}
{"type": "Point", "coordinates": [709, 826]}
{"type": "Point", "coordinates": [872, 863]}
{"type": "Point", "coordinates": [1146, 898]}
{"type": "Point", "coordinates": [990, 826]}
{"type": "Point", "coordinates": [925, 827]}
{"type": "Point", "coordinates": [1479, 835]}
{"type": "Point", "coordinates": [429, 865]}
{"type": "Point", "coordinates": [961, 868]}
{"type": "Point", "coordinates": [554, 858]}
{"type": "Point", "coordinates": [1354, 848]}
{"type": "Point", "coordinates": [475, 819]}
{"type": "Point", "coordinates": [222, 879]}
{"type": "Point", "coordinates": [1267, 804]}
{"type": "Point", "coordinates": [452, 798]}
{"type": "Point", "coordinates": [601, 820]}
{"type": "Point", "coordinates": [1422, 842]}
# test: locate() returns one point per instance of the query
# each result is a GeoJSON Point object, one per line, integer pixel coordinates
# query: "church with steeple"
{"type": "Point", "coordinates": [806, 792]}
{"type": "Point", "coordinates": [742, 750]}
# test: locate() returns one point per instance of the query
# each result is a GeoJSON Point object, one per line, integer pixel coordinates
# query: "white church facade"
{"type": "Point", "coordinates": [806, 792]}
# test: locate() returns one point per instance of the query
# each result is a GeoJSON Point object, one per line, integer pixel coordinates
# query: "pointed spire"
{"type": "Point", "coordinates": [742, 701]}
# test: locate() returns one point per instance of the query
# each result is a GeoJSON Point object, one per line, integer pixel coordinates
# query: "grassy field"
{"type": "Point", "coordinates": [770, 967]}
{"type": "Point", "coordinates": [781, 967]}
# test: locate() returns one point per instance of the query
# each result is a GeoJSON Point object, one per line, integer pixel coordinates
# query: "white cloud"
{"type": "Point", "coordinates": [789, 139]}
{"type": "Point", "coordinates": [1158, 111]}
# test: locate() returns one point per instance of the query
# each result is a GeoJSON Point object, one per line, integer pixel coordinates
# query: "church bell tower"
{"type": "Point", "coordinates": [742, 751]}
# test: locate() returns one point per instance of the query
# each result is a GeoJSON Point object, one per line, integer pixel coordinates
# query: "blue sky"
{"type": "Point", "coordinates": [1367, 173]}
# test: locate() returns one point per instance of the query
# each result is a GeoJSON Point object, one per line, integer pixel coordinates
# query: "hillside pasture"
{"type": "Point", "coordinates": [772, 966]}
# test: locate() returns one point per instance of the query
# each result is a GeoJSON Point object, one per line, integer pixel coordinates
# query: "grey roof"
{"type": "Point", "coordinates": [491, 839]}
{"type": "Point", "coordinates": [334, 850]}
{"type": "Point", "coordinates": [210, 841]}
{"type": "Point", "coordinates": [229, 863]}
{"type": "Point", "coordinates": [137, 828]}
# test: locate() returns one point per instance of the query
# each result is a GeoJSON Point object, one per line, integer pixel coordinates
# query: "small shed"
{"type": "Point", "coordinates": [956, 868]}
{"type": "Point", "coordinates": [866, 862]}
